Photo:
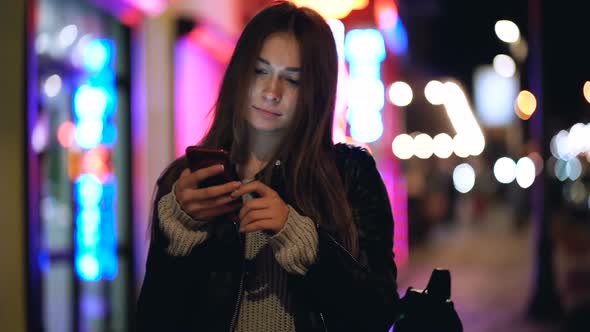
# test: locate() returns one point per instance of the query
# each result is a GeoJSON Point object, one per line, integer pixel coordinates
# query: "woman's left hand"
{"type": "Point", "coordinates": [268, 212]}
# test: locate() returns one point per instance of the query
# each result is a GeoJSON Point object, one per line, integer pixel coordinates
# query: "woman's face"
{"type": "Point", "coordinates": [273, 95]}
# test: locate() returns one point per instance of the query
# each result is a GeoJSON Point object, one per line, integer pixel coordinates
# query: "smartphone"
{"type": "Point", "coordinates": [199, 157]}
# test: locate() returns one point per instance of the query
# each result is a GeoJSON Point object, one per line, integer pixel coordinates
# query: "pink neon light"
{"type": "Point", "coordinates": [198, 75]}
{"type": "Point", "coordinates": [150, 7]}
{"type": "Point", "coordinates": [217, 46]}
{"type": "Point", "coordinates": [386, 14]}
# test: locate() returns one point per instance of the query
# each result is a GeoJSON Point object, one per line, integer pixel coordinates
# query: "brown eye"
{"type": "Point", "coordinates": [292, 81]}
{"type": "Point", "coordinates": [259, 71]}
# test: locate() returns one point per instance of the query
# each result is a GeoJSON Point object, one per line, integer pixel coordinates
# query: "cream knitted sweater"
{"type": "Point", "coordinates": [266, 299]}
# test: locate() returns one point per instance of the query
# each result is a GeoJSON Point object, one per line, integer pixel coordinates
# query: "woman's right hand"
{"type": "Point", "coordinates": [205, 203]}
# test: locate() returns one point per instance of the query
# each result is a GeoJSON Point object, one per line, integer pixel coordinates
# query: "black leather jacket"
{"type": "Point", "coordinates": [201, 292]}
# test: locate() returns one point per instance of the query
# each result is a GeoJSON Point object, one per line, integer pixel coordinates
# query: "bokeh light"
{"type": "Point", "coordinates": [52, 85]}
{"type": "Point", "coordinates": [504, 65]}
{"type": "Point", "coordinates": [461, 116]}
{"type": "Point", "coordinates": [95, 162]}
{"type": "Point", "coordinates": [403, 146]}
{"type": "Point", "coordinates": [561, 170]}
{"type": "Point", "coordinates": [66, 134]}
{"type": "Point", "coordinates": [423, 146]}
{"type": "Point", "coordinates": [538, 161]}
{"type": "Point", "coordinates": [88, 267]}
{"type": "Point", "coordinates": [89, 133]}
{"type": "Point", "coordinates": [97, 54]}
{"type": "Point", "coordinates": [42, 43]}
{"type": "Point", "coordinates": [461, 145]}
{"type": "Point", "coordinates": [40, 135]}
{"type": "Point", "coordinates": [434, 91]}
{"type": "Point", "coordinates": [68, 35]}
{"type": "Point", "coordinates": [507, 31]}
{"type": "Point", "coordinates": [525, 172]}
{"type": "Point", "coordinates": [579, 139]}
{"type": "Point", "coordinates": [90, 102]}
{"type": "Point", "coordinates": [400, 94]}
{"type": "Point", "coordinates": [443, 145]}
{"type": "Point", "coordinates": [573, 169]}
{"type": "Point", "coordinates": [333, 8]}
{"type": "Point", "coordinates": [505, 170]}
{"type": "Point", "coordinates": [519, 50]}
{"type": "Point", "coordinates": [526, 104]}
{"type": "Point", "coordinates": [576, 192]}
{"type": "Point", "coordinates": [464, 178]}
{"type": "Point", "coordinates": [89, 190]}
{"type": "Point", "coordinates": [368, 128]}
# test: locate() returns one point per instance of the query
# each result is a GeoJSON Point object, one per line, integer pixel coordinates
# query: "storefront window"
{"type": "Point", "coordinates": [80, 142]}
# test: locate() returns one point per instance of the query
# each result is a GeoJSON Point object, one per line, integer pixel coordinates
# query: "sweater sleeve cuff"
{"type": "Point", "coordinates": [182, 231]}
{"type": "Point", "coordinates": [295, 247]}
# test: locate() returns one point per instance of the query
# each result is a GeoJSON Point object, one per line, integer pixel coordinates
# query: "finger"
{"type": "Point", "coordinates": [254, 204]}
{"type": "Point", "coordinates": [219, 211]}
{"type": "Point", "coordinates": [254, 186]}
{"type": "Point", "coordinates": [203, 173]}
{"type": "Point", "coordinates": [260, 225]}
{"type": "Point", "coordinates": [195, 207]}
{"type": "Point", "coordinates": [183, 181]}
{"type": "Point", "coordinates": [255, 215]}
{"type": "Point", "coordinates": [216, 191]}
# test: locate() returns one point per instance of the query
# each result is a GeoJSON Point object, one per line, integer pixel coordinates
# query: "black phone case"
{"type": "Point", "coordinates": [199, 157]}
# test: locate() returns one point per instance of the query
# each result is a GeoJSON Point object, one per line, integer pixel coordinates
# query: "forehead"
{"type": "Point", "coordinates": [281, 49]}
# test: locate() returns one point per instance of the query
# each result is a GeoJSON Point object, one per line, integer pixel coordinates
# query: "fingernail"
{"type": "Point", "coordinates": [221, 167]}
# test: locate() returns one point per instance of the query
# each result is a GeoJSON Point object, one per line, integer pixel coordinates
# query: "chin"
{"type": "Point", "coordinates": [266, 126]}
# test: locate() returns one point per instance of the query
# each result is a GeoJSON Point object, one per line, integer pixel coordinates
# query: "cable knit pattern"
{"type": "Point", "coordinates": [296, 245]}
{"type": "Point", "coordinates": [182, 231]}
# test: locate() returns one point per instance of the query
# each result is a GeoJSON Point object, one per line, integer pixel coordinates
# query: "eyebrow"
{"type": "Point", "coordinates": [293, 69]}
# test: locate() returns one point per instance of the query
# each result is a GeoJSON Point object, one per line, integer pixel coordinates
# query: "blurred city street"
{"type": "Point", "coordinates": [490, 263]}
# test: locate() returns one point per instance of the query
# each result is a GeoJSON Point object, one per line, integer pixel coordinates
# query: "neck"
{"type": "Point", "coordinates": [262, 146]}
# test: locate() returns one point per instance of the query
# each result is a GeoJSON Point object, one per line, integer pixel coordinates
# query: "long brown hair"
{"type": "Point", "coordinates": [307, 159]}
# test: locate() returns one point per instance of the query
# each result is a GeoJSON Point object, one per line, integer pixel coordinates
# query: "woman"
{"type": "Point", "coordinates": [313, 251]}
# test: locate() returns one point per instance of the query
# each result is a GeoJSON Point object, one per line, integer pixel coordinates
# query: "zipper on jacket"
{"type": "Point", "coordinates": [237, 305]}
{"type": "Point", "coordinates": [341, 247]}
{"type": "Point", "coordinates": [323, 322]}
{"type": "Point", "coordinates": [241, 286]}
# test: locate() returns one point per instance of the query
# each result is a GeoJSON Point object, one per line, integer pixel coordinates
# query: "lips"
{"type": "Point", "coordinates": [267, 112]}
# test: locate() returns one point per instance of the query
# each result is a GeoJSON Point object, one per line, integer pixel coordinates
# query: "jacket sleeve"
{"type": "Point", "coordinates": [359, 294]}
{"type": "Point", "coordinates": [166, 297]}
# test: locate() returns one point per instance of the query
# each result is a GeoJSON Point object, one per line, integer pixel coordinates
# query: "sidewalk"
{"type": "Point", "coordinates": [490, 266]}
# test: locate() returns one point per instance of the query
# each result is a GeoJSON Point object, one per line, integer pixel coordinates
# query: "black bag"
{"type": "Point", "coordinates": [430, 309]}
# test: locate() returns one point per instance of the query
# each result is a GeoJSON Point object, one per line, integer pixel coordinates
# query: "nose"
{"type": "Point", "coordinates": [272, 91]}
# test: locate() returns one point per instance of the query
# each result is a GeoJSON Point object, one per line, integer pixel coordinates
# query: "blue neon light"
{"type": "Point", "coordinates": [90, 102]}
{"type": "Point", "coordinates": [88, 225]}
{"type": "Point", "coordinates": [364, 45]}
{"type": "Point", "coordinates": [98, 54]}
{"type": "Point", "coordinates": [88, 267]}
{"type": "Point", "coordinates": [369, 129]}
{"type": "Point", "coordinates": [94, 105]}
{"type": "Point", "coordinates": [396, 38]}
{"type": "Point", "coordinates": [110, 263]}
{"type": "Point", "coordinates": [89, 133]}
{"type": "Point", "coordinates": [89, 190]}
{"type": "Point", "coordinates": [365, 50]}
{"type": "Point", "coordinates": [366, 70]}
{"type": "Point", "coordinates": [108, 245]}
{"type": "Point", "coordinates": [109, 134]}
